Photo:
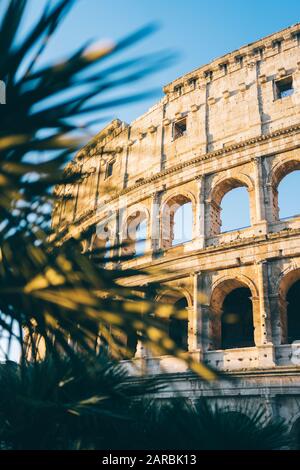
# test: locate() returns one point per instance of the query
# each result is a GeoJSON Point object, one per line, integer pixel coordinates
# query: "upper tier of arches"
{"type": "Point", "coordinates": [243, 201]}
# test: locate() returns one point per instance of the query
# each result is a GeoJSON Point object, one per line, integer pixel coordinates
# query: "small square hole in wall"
{"type": "Point", "coordinates": [192, 83]}
{"type": "Point", "coordinates": [283, 88]}
{"type": "Point", "coordinates": [109, 169]}
{"type": "Point", "coordinates": [178, 89]}
{"type": "Point", "coordinates": [179, 128]}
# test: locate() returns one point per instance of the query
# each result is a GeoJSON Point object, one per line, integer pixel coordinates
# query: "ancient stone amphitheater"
{"type": "Point", "coordinates": [229, 124]}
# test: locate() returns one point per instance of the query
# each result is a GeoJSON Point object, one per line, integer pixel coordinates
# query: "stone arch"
{"type": "Point", "coordinates": [285, 278]}
{"type": "Point", "coordinates": [104, 235]}
{"type": "Point", "coordinates": [169, 207]}
{"type": "Point", "coordinates": [103, 239]}
{"type": "Point", "coordinates": [178, 326]}
{"type": "Point", "coordinates": [220, 187]}
{"type": "Point", "coordinates": [279, 171]}
{"type": "Point", "coordinates": [232, 328]}
{"type": "Point", "coordinates": [225, 284]}
{"type": "Point", "coordinates": [138, 215]}
{"type": "Point", "coordinates": [282, 168]}
{"type": "Point", "coordinates": [170, 296]}
{"type": "Point", "coordinates": [288, 299]}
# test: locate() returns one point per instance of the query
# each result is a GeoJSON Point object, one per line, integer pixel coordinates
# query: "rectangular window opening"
{"type": "Point", "coordinates": [284, 88]}
{"type": "Point", "coordinates": [224, 67]}
{"type": "Point", "coordinates": [296, 36]}
{"type": "Point", "coordinates": [179, 128]}
{"type": "Point", "coordinates": [240, 60]}
{"type": "Point", "coordinates": [277, 44]}
{"type": "Point", "coordinates": [192, 83]}
{"type": "Point", "coordinates": [178, 89]}
{"type": "Point", "coordinates": [208, 74]}
{"type": "Point", "coordinates": [109, 169]}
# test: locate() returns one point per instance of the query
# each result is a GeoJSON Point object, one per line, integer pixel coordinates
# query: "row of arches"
{"type": "Point", "coordinates": [229, 207]}
{"type": "Point", "coordinates": [232, 309]}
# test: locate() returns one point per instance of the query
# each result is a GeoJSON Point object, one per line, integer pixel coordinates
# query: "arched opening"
{"type": "Point", "coordinates": [285, 179]}
{"type": "Point", "coordinates": [289, 309]}
{"type": "Point", "coordinates": [177, 221]}
{"type": "Point", "coordinates": [237, 330]}
{"type": "Point", "coordinates": [289, 195]}
{"type": "Point", "coordinates": [134, 240]}
{"type": "Point", "coordinates": [140, 238]}
{"type": "Point", "coordinates": [107, 249]}
{"type": "Point", "coordinates": [293, 312]}
{"type": "Point", "coordinates": [183, 221]}
{"type": "Point", "coordinates": [230, 207]}
{"type": "Point", "coordinates": [231, 306]}
{"type": "Point", "coordinates": [131, 344]}
{"type": "Point", "coordinates": [178, 326]}
{"type": "Point", "coordinates": [101, 246]}
{"type": "Point", "coordinates": [235, 210]}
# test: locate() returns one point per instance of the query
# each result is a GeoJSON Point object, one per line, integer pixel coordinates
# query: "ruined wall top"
{"type": "Point", "coordinates": [240, 98]}
{"type": "Point", "coordinates": [265, 48]}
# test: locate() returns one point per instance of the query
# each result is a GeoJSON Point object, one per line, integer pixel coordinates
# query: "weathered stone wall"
{"type": "Point", "coordinates": [238, 132]}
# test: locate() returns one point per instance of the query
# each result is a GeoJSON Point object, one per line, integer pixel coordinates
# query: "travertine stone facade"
{"type": "Point", "coordinates": [232, 123]}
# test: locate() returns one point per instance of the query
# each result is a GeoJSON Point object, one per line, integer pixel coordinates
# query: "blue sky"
{"type": "Point", "coordinates": [198, 31]}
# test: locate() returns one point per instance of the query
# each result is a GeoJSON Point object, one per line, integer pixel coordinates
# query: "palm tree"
{"type": "Point", "coordinates": [50, 289]}
{"type": "Point", "coordinates": [65, 404]}
{"type": "Point", "coordinates": [181, 424]}
{"type": "Point", "coordinates": [93, 404]}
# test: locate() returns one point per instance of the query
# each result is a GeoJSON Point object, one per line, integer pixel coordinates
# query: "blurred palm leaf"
{"type": "Point", "coordinates": [64, 404]}
{"type": "Point", "coordinates": [200, 425]}
{"type": "Point", "coordinates": [50, 289]}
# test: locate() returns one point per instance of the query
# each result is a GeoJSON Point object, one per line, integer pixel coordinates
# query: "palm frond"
{"type": "Point", "coordinates": [50, 290]}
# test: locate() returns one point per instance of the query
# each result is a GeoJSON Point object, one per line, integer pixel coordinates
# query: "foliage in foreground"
{"type": "Point", "coordinates": [95, 405]}
{"type": "Point", "coordinates": [182, 424]}
{"type": "Point", "coordinates": [62, 404]}
{"type": "Point", "coordinates": [50, 289]}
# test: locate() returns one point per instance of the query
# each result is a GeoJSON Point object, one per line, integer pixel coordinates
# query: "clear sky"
{"type": "Point", "coordinates": [198, 31]}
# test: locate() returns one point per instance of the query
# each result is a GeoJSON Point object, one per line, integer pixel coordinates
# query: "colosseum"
{"type": "Point", "coordinates": [234, 123]}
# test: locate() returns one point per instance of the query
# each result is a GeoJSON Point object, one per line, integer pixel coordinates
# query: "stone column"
{"type": "Point", "coordinates": [202, 316]}
{"type": "Point", "coordinates": [271, 195]}
{"type": "Point", "coordinates": [199, 215]}
{"type": "Point", "coordinates": [207, 340]}
{"type": "Point", "coordinates": [194, 320]}
{"type": "Point", "coordinates": [266, 328]}
{"type": "Point", "coordinates": [212, 218]}
{"type": "Point", "coordinates": [277, 307]}
{"type": "Point", "coordinates": [259, 197]}
{"type": "Point", "coordinates": [155, 222]}
{"type": "Point", "coordinates": [257, 321]}
{"type": "Point", "coordinates": [262, 320]}
{"type": "Point", "coordinates": [120, 220]}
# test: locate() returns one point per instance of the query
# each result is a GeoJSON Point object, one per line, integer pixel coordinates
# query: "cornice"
{"type": "Point", "coordinates": [205, 252]}
{"type": "Point", "coordinates": [210, 155]}
{"type": "Point", "coordinates": [251, 52]}
{"type": "Point", "coordinates": [204, 157]}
